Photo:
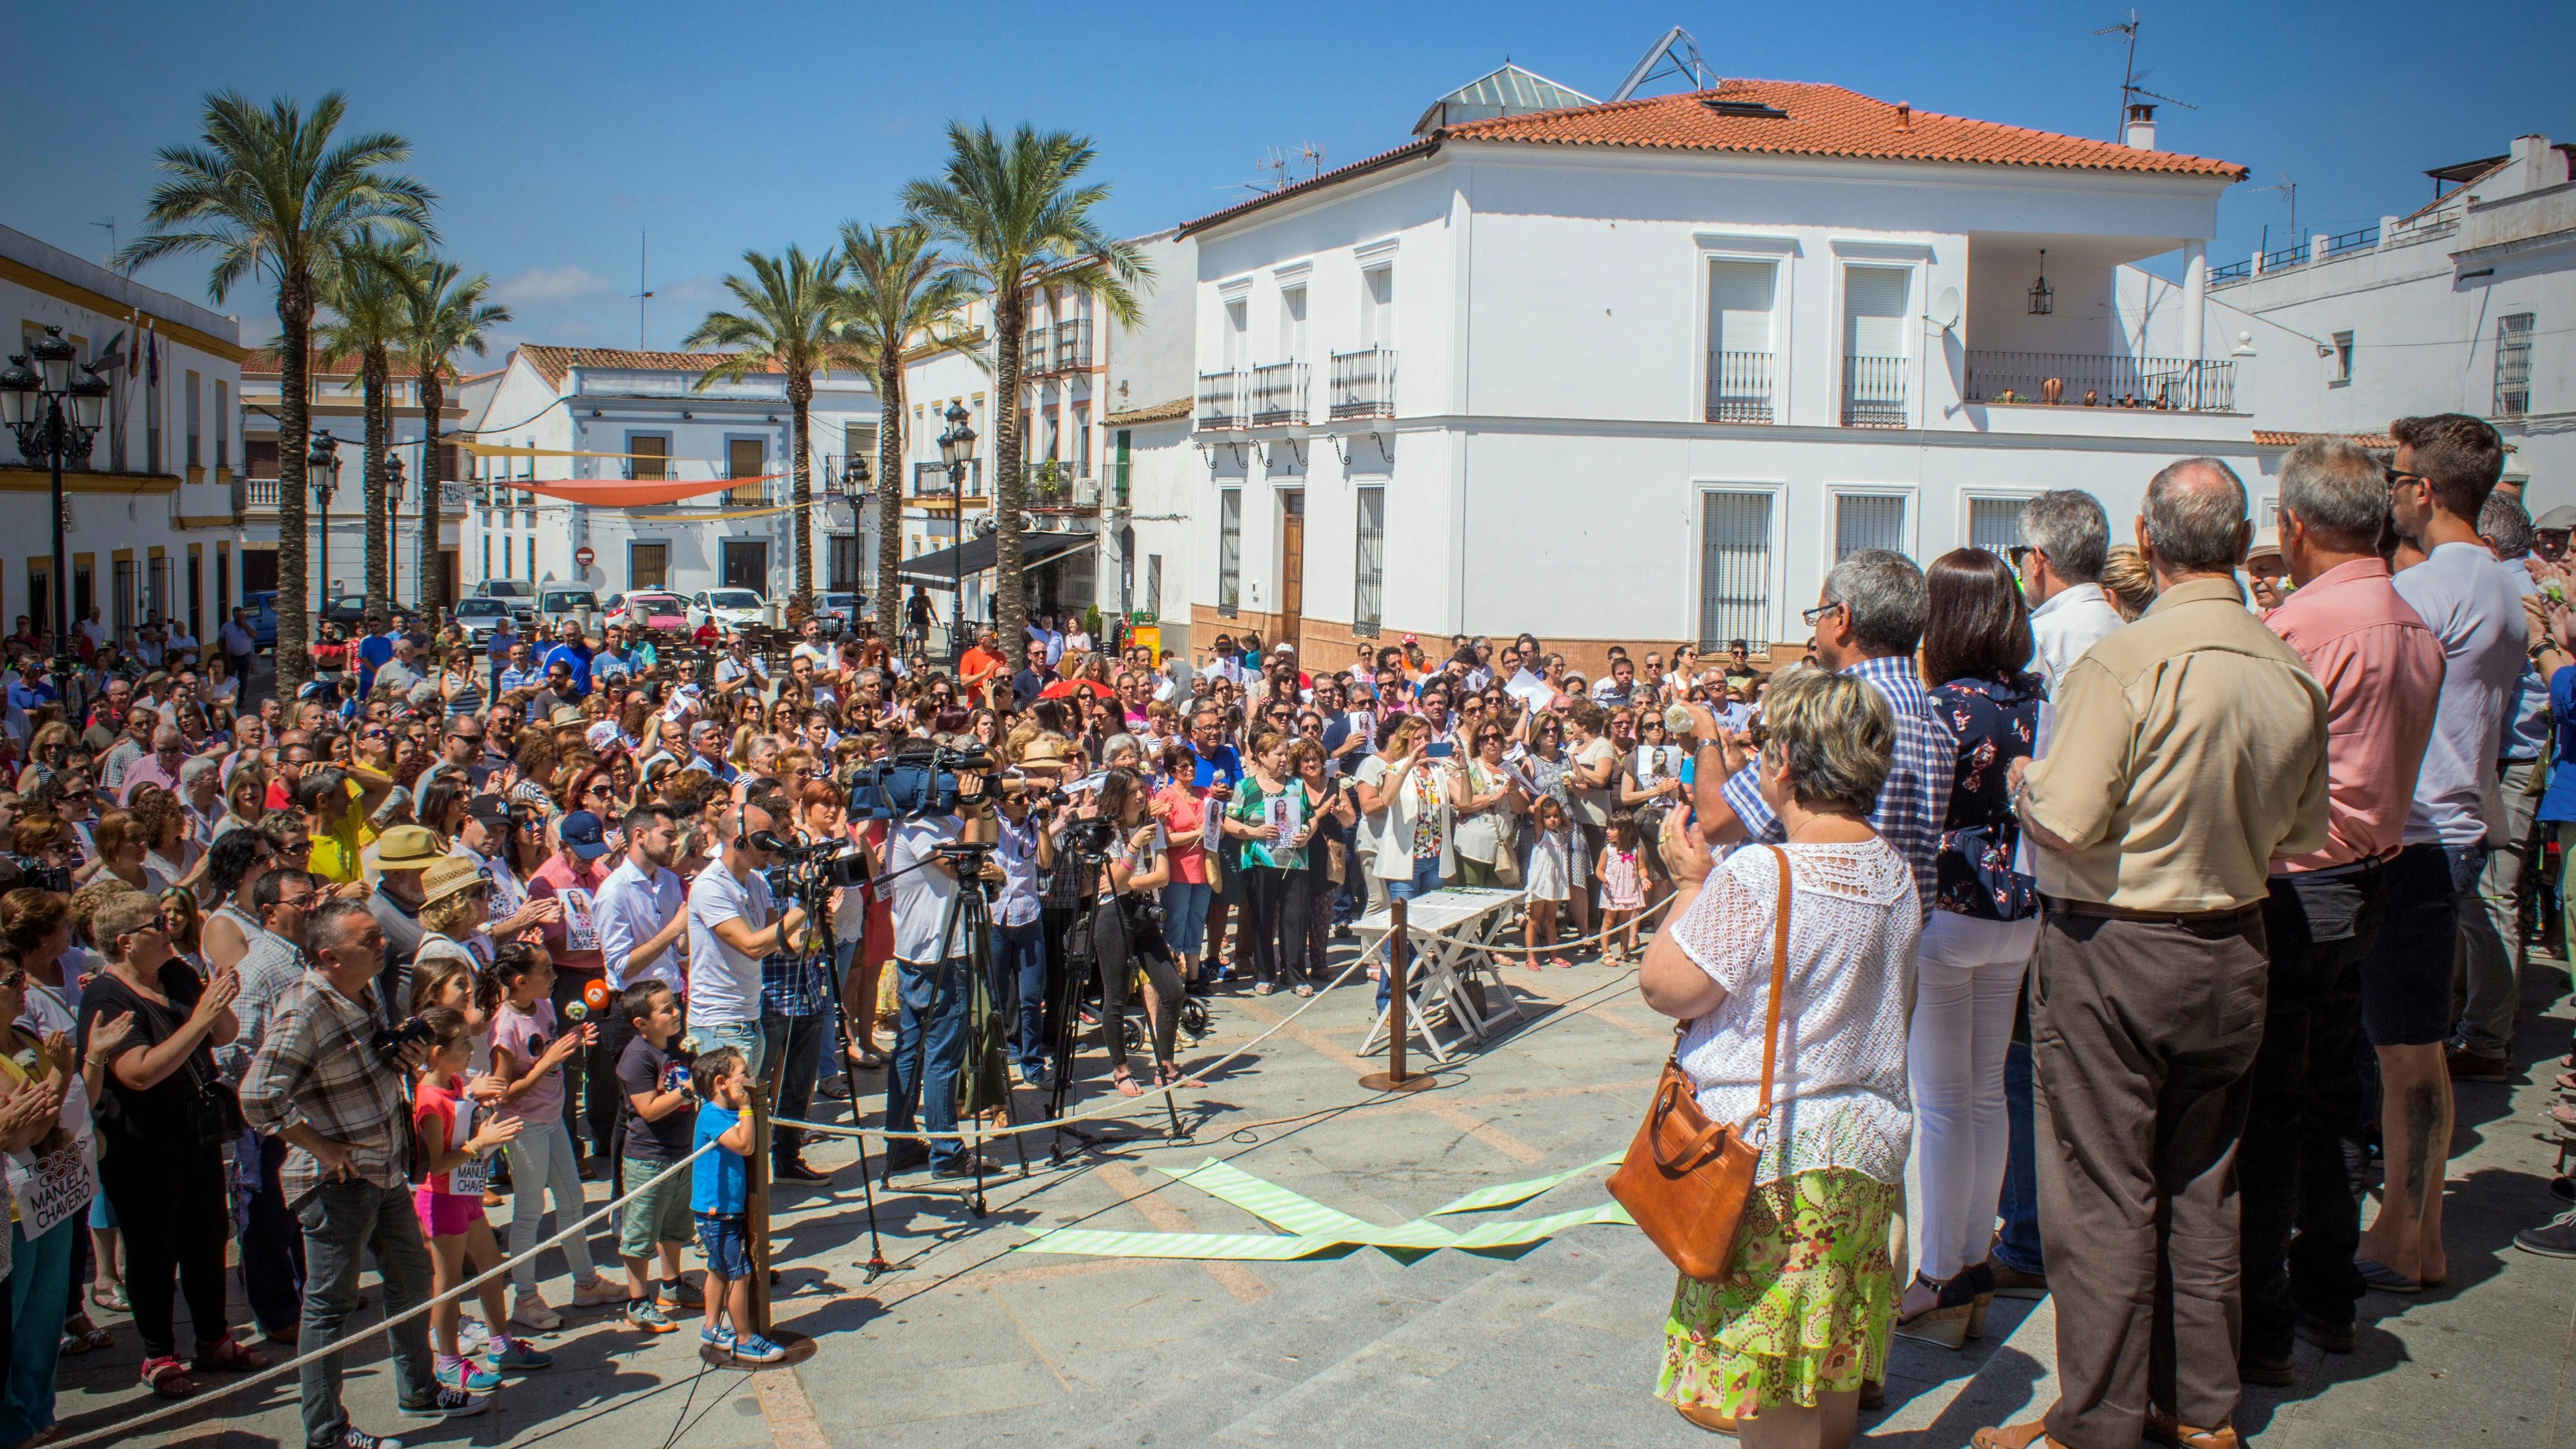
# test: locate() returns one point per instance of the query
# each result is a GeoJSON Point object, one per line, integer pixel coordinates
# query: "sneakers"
{"type": "Point", "coordinates": [640, 1313]}
{"type": "Point", "coordinates": [471, 1334]}
{"type": "Point", "coordinates": [597, 1293]}
{"type": "Point", "coordinates": [449, 1404]}
{"type": "Point", "coordinates": [752, 1348]}
{"type": "Point", "coordinates": [349, 1438]}
{"type": "Point", "coordinates": [514, 1353]}
{"type": "Point", "coordinates": [716, 1335]}
{"type": "Point", "coordinates": [458, 1374]}
{"type": "Point", "coordinates": [2556, 1240]}
{"type": "Point", "coordinates": [676, 1293]}
{"type": "Point", "coordinates": [530, 1311]}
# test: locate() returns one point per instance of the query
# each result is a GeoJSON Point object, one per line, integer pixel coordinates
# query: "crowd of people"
{"type": "Point", "coordinates": [2124, 906]}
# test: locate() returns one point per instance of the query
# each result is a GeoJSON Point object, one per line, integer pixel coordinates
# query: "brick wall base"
{"type": "Point", "coordinates": [1330, 644]}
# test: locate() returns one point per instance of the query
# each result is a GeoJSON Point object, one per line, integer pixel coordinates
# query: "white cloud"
{"type": "Point", "coordinates": [540, 286]}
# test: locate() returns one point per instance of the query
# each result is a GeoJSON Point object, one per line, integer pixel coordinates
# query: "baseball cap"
{"type": "Point", "coordinates": [581, 830]}
{"type": "Point", "coordinates": [490, 809]}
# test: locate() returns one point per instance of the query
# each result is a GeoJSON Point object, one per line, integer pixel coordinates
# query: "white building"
{"type": "Point", "coordinates": [599, 414]}
{"type": "Point", "coordinates": [335, 559]}
{"type": "Point", "coordinates": [1157, 481]}
{"type": "Point", "coordinates": [151, 518]}
{"type": "Point", "coordinates": [1665, 360]}
{"type": "Point", "coordinates": [2462, 306]}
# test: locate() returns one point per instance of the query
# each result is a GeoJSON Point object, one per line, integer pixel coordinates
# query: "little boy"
{"type": "Point", "coordinates": [656, 1089]}
{"type": "Point", "coordinates": [720, 1195]}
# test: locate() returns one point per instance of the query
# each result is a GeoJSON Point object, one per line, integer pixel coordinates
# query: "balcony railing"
{"type": "Point", "coordinates": [1073, 344]}
{"type": "Point", "coordinates": [1279, 394]}
{"type": "Point", "coordinates": [1054, 485]}
{"type": "Point", "coordinates": [930, 480]}
{"type": "Point", "coordinates": [1221, 401]}
{"type": "Point", "coordinates": [1874, 392]}
{"type": "Point", "coordinates": [1037, 350]}
{"type": "Point", "coordinates": [1739, 387]}
{"type": "Point", "coordinates": [2071, 379]}
{"type": "Point", "coordinates": [1364, 383]}
{"type": "Point", "coordinates": [261, 492]}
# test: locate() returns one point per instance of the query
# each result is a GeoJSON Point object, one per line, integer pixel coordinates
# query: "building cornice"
{"type": "Point", "coordinates": [12, 270]}
{"type": "Point", "coordinates": [23, 479]}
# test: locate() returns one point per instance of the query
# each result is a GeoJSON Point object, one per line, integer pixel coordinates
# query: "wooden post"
{"type": "Point", "coordinates": [757, 1207]}
{"type": "Point", "coordinates": [1399, 957]}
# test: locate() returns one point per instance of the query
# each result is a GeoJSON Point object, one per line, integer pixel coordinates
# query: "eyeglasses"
{"type": "Point", "coordinates": [1821, 610]}
{"type": "Point", "coordinates": [2396, 475]}
{"type": "Point", "coordinates": [2019, 554]}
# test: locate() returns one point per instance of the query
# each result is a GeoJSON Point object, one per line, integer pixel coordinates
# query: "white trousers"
{"type": "Point", "coordinates": [542, 1160]}
{"type": "Point", "coordinates": [1968, 975]}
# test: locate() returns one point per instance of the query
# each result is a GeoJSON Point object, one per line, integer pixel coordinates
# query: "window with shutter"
{"type": "Point", "coordinates": [1735, 570]}
{"type": "Point", "coordinates": [1369, 574]}
{"type": "Point", "coordinates": [743, 460]}
{"type": "Point", "coordinates": [1229, 551]}
{"type": "Point", "coordinates": [650, 455]}
{"type": "Point", "coordinates": [1868, 520]}
{"type": "Point", "coordinates": [1739, 341]}
{"type": "Point", "coordinates": [1994, 524]}
{"type": "Point", "coordinates": [2513, 365]}
{"type": "Point", "coordinates": [1874, 335]}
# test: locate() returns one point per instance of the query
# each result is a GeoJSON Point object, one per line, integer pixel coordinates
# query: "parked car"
{"type": "Point", "coordinates": [349, 611]}
{"type": "Point", "coordinates": [478, 617]}
{"type": "Point", "coordinates": [839, 613]}
{"type": "Point", "coordinates": [651, 610]}
{"type": "Point", "coordinates": [728, 608]}
{"type": "Point", "coordinates": [557, 603]}
{"type": "Point", "coordinates": [519, 594]}
{"type": "Point", "coordinates": [261, 605]}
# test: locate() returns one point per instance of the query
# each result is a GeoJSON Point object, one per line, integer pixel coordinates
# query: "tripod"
{"type": "Point", "coordinates": [968, 922]}
{"type": "Point", "coordinates": [1081, 969]}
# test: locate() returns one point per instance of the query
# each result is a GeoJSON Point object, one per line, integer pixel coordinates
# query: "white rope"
{"type": "Point", "coordinates": [1123, 1105]}
{"type": "Point", "coordinates": [235, 1386]}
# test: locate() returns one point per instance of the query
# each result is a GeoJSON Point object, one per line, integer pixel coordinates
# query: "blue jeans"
{"type": "Point", "coordinates": [1020, 987]}
{"type": "Point", "coordinates": [40, 1290]}
{"type": "Point", "coordinates": [343, 1223]}
{"type": "Point", "coordinates": [791, 1045]}
{"type": "Point", "coordinates": [929, 1046]}
{"type": "Point", "coordinates": [1426, 879]}
{"type": "Point", "coordinates": [745, 1037]}
{"type": "Point", "coordinates": [1185, 913]}
{"type": "Point", "coordinates": [2017, 1246]}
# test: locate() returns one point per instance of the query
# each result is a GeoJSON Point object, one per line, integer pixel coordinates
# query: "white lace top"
{"type": "Point", "coordinates": [1838, 1093]}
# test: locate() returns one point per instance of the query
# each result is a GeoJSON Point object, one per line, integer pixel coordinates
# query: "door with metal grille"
{"type": "Point", "coordinates": [1292, 567]}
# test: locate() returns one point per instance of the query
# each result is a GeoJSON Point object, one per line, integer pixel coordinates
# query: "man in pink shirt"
{"type": "Point", "coordinates": [2381, 669]}
{"type": "Point", "coordinates": [161, 767]}
{"type": "Point", "coordinates": [573, 874]}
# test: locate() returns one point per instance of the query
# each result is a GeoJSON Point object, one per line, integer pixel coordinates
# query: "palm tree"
{"type": "Point", "coordinates": [1019, 224]}
{"type": "Point", "coordinates": [899, 287]}
{"type": "Point", "coordinates": [443, 314]}
{"type": "Point", "coordinates": [268, 194]}
{"type": "Point", "coordinates": [790, 315]}
{"type": "Point", "coordinates": [364, 292]}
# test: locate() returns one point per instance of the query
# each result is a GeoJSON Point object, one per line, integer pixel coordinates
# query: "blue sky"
{"type": "Point", "coordinates": [556, 132]}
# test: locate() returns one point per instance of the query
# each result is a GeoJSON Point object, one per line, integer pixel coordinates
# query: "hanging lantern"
{"type": "Point", "coordinates": [2043, 298]}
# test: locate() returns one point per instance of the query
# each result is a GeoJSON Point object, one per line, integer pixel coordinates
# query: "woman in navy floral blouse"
{"type": "Point", "coordinates": [1985, 922]}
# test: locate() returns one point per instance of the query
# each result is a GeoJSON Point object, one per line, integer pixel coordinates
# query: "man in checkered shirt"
{"type": "Point", "coordinates": [1867, 626]}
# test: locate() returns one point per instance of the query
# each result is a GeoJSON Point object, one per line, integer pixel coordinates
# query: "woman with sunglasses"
{"type": "Point", "coordinates": [46, 755]}
{"type": "Point", "coordinates": [1483, 801]}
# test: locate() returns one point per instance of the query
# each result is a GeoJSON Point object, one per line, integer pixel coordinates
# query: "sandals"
{"type": "Point", "coordinates": [1302, 989]}
{"type": "Point", "coordinates": [1261, 988]}
{"type": "Point", "coordinates": [168, 1377]}
{"type": "Point", "coordinates": [1168, 1075]}
{"type": "Point", "coordinates": [1125, 1083]}
{"type": "Point", "coordinates": [113, 1297]}
{"type": "Point", "coordinates": [224, 1355]}
{"type": "Point", "coordinates": [2013, 1436]}
{"type": "Point", "coordinates": [81, 1336]}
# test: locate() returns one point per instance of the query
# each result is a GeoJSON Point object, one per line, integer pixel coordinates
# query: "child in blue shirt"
{"type": "Point", "coordinates": [720, 1196]}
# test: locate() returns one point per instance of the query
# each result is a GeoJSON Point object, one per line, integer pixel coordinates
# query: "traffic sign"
{"type": "Point", "coordinates": [583, 555]}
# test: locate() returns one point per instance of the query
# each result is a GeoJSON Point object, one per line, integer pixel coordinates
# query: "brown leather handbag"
{"type": "Point", "coordinates": [1685, 1178]}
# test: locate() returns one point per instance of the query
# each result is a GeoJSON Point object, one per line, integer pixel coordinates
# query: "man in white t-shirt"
{"type": "Point", "coordinates": [732, 924]}
{"type": "Point", "coordinates": [2061, 571]}
{"type": "Point", "coordinates": [930, 981]}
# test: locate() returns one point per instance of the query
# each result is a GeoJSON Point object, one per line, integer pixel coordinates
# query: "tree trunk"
{"type": "Point", "coordinates": [294, 423]}
{"type": "Point", "coordinates": [431, 587]}
{"type": "Point", "coordinates": [800, 402]}
{"type": "Point", "coordinates": [1011, 595]}
{"type": "Point", "coordinates": [374, 371]}
{"type": "Point", "coordinates": [890, 499]}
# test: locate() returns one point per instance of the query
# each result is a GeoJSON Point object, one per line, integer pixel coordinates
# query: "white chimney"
{"type": "Point", "coordinates": [2140, 132]}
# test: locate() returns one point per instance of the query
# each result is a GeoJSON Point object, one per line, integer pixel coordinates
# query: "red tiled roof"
{"type": "Point", "coordinates": [262, 362]}
{"type": "Point", "coordinates": [1819, 120]}
{"type": "Point", "coordinates": [1178, 407]}
{"type": "Point", "coordinates": [555, 363]}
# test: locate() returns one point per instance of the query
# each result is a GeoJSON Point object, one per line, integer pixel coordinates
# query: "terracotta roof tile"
{"type": "Point", "coordinates": [1819, 120]}
{"type": "Point", "coordinates": [2271, 438]}
{"type": "Point", "coordinates": [555, 363]}
{"type": "Point", "coordinates": [1178, 407]}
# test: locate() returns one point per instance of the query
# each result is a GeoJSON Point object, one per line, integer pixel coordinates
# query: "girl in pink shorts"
{"type": "Point", "coordinates": [450, 1199]}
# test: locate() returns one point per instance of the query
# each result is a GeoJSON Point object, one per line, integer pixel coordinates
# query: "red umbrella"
{"type": "Point", "coordinates": [1067, 688]}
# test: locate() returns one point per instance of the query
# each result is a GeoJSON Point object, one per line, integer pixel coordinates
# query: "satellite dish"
{"type": "Point", "coordinates": [1945, 309]}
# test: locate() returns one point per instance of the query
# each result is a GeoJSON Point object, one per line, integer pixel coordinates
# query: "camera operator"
{"type": "Point", "coordinates": [733, 923]}
{"type": "Point", "coordinates": [319, 1081]}
{"type": "Point", "coordinates": [1125, 935]}
{"type": "Point", "coordinates": [1025, 851]}
{"type": "Point", "coordinates": [930, 978]}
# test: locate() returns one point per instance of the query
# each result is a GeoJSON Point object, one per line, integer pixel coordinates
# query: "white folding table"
{"type": "Point", "coordinates": [1452, 932]}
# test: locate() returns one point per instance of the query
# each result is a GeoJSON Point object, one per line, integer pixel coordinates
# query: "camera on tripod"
{"type": "Point", "coordinates": [912, 785]}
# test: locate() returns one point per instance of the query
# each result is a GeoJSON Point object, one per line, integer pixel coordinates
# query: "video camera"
{"type": "Point", "coordinates": [825, 861]}
{"type": "Point", "coordinates": [920, 784]}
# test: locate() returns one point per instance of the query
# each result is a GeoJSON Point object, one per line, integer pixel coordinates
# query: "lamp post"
{"type": "Point", "coordinates": [393, 527]}
{"type": "Point", "coordinates": [957, 450]}
{"type": "Point", "coordinates": [31, 403]}
{"type": "Point", "coordinates": [854, 486]}
{"type": "Point", "coordinates": [323, 461]}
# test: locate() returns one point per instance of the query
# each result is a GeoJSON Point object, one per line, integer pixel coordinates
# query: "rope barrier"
{"type": "Point", "coordinates": [118, 1431]}
{"type": "Point", "coordinates": [1121, 1105]}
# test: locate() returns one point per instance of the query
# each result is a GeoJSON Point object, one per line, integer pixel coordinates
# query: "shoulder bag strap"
{"type": "Point", "coordinates": [1779, 982]}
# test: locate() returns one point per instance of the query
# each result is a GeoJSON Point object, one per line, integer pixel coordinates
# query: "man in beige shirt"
{"type": "Point", "coordinates": [2188, 750]}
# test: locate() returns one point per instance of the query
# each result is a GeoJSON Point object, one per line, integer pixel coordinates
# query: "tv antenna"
{"type": "Point", "coordinates": [110, 224]}
{"type": "Point", "coordinates": [1676, 54]}
{"type": "Point", "coordinates": [2130, 76]}
{"type": "Point", "coordinates": [2288, 190]}
{"type": "Point", "coordinates": [641, 295]}
{"type": "Point", "coordinates": [1277, 171]}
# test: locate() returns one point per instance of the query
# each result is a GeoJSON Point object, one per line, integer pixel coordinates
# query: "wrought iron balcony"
{"type": "Point", "coordinates": [1054, 485]}
{"type": "Point", "coordinates": [930, 480]}
{"type": "Point", "coordinates": [1073, 344]}
{"type": "Point", "coordinates": [1221, 401]}
{"type": "Point", "coordinates": [1279, 394]}
{"type": "Point", "coordinates": [2073, 379]}
{"type": "Point", "coordinates": [1037, 350]}
{"type": "Point", "coordinates": [1364, 383]}
{"type": "Point", "coordinates": [1739, 387]}
{"type": "Point", "coordinates": [1874, 392]}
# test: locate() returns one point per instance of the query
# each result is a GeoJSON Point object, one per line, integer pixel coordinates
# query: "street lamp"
{"type": "Point", "coordinates": [322, 461]}
{"type": "Point", "coordinates": [393, 524]}
{"type": "Point", "coordinates": [956, 451]}
{"type": "Point", "coordinates": [31, 403]}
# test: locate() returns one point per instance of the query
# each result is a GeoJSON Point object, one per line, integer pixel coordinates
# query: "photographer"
{"type": "Point", "coordinates": [1025, 851]}
{"type": "Point", "coordinates": [733, 923]}
{"type": "Point", "coordinates": [319, 1081]}
{"type": "Point", "coordinates": [1124, 934]}
{"type": "Point", "coordinates": [930, 1032]}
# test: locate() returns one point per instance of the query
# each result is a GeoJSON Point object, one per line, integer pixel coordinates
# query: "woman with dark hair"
{"type": "Point", "coordinates": [1125, 937]}
{"type": "Point", "coordinates": [1984, 925]}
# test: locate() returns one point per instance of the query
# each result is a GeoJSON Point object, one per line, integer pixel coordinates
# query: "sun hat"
{"type": "Point", "coordinates": [405, 847]}
{"type": "Point", "coordinates": [452, 875]}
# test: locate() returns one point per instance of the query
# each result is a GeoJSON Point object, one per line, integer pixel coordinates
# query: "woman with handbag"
{"type": "Point", "coordinates": [162, 1124]}
{"type": "Point", "coordinates": [1485, 803]}
{"type": "Point", "coordinates": [1793, 993]}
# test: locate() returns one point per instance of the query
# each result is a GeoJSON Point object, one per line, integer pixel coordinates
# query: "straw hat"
{"type": "Point", "coordinates": [2267, 544]}
{"type": "Point", "coordinates": [452, 874]}
{"type": "Point", "coordinates": [405, 847]}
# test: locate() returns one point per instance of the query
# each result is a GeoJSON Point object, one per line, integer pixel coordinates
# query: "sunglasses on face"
{"type": "Point", "coordinates": [2397, 476]}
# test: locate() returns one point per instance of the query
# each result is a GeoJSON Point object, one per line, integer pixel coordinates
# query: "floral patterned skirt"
{"type": "Point", "coordinates": [1804, 1311]}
